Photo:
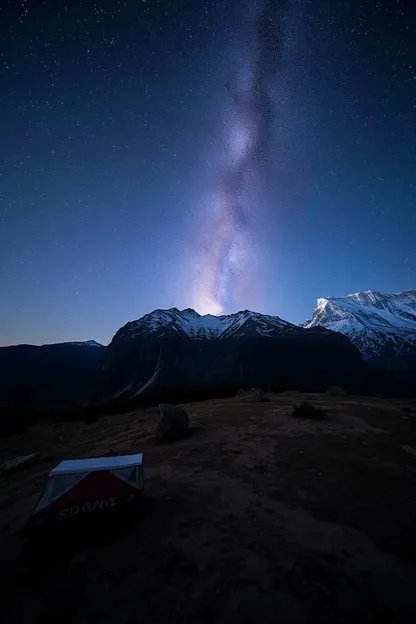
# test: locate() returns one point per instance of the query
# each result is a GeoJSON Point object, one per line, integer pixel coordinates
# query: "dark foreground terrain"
{"type": "Point", "coordinates": [255, 517]}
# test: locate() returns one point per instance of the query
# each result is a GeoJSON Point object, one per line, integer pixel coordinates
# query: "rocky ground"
{"type": "Point", "coordinates": [255, 517]}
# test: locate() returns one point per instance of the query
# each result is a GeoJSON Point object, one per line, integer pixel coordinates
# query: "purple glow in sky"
{"type": "Point", "coordinates": [227, 271]}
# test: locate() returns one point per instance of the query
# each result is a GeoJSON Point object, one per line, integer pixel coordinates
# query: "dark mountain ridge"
{"type": "Point", "coordinates": [174, 355]}
{"type": "Point", "coordinates": [37, 382]}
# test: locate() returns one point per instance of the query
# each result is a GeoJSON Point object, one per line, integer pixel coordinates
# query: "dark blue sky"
{"type": "Point", "coordinates": [153, 154]}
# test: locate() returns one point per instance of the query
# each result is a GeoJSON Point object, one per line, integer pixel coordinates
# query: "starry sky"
{"type": "Point", "coordinates": [214, 154]}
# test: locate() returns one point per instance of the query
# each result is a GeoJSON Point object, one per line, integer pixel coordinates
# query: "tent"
{"type": "Point", "coordinates": [78, 488]}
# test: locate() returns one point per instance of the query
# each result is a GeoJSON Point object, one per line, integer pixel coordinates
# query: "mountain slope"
{"type": "Point", "coordinates": [383, 327]}
{"type": "Point", "coordinates": [172, 354]}
{"type": "Point", "coordinates": [46, 377]}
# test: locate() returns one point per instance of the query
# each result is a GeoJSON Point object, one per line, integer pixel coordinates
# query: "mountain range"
{"type": "Point", "coordinates": [173, 353]}
{"type": "Point", "coordinates": [189, 324]}
{"type": "Point", "coordinates": [39, 381]}
{"type": "Point", "coordinates": [359, 342]}
{"type": "Point", "coordinates": [383, 327]}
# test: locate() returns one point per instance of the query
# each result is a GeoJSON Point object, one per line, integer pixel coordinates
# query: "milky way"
{"type": "Point", "coordinates": [226, 274]}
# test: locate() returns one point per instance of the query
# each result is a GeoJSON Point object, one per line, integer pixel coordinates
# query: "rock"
{"type": "Point", "coordinates": [307, 410]}
{"type": "Point", "coordinates": [173, 423]}
{"type": "Point", "coordinates": [255, 395]}
{"type": "Point", "coordinates": [17, 463]}
{"type": "Point", "coordinates": [335, 391]}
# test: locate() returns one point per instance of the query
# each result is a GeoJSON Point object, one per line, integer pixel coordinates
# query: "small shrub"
{"type": "Point", "coordinates": [307, 410]}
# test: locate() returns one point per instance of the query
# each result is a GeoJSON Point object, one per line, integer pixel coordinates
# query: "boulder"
{"type": "Point", "coordinates": [173, 423]}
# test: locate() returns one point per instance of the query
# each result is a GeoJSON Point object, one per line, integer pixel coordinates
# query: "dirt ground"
{"type": "Point", "coordinates": [256, 517]}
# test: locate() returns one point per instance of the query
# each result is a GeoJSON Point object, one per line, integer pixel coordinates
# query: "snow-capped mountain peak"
{"type": "Point", "coordinates": [376, 323]}
{"type": "Point", "coordinates": [189, 324]}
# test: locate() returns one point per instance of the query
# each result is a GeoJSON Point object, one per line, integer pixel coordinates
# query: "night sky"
{"type": "Point", "coordinates": [214, 154]}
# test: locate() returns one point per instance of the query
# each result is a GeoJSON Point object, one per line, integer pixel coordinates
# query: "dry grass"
{"type": "Point", "coordinates": [257, 517]}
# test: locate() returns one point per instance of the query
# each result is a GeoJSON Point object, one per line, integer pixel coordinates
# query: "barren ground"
{"type": "Point", "coordinates": [256, 517]}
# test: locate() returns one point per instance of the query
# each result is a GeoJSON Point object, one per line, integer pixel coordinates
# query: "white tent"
{"type": "Point", "coordinates": [80, 487]}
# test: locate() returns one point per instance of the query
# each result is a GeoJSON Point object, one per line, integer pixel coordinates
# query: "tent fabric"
{"type": "Point", "coordinates": [69, 466]}
{"type": "Point", "coordinates": [90, 484]}
{"type": "Point", "coordinates": [55, 488]}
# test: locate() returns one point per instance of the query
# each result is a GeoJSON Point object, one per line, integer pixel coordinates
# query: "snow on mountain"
{"type": "Point", "coordinates": [189, 324]}
{"type": "Point", "coordinates": [380, 325]}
